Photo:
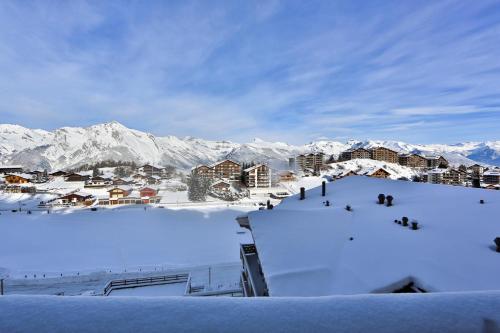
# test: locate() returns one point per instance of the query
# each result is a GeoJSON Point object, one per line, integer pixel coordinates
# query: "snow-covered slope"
{"type": "Point", "coordinates": [71, 146]}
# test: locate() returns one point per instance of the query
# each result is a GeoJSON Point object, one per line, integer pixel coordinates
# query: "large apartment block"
{"type": "Point", "coordinates": [226, 169]}
{"type": "Point", "coordinates": [313, 161]}
{"type": "Point", "coordinates": [384, 154]}
{"type": "Point", "coordinates": [352, 154]}
{"type": "Point", "coordinates": [258, 176]}
{"type": "Point", "coordinates": [412, 160]}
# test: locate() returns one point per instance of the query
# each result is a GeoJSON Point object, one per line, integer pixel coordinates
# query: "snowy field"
{"type": "Point", "coordinates": [75, 243]}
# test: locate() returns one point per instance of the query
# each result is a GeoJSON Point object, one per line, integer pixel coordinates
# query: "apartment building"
{"type": "Point", "coordinates": [384, 154]}
{"type": "Point", "coordinates": [258, 176]}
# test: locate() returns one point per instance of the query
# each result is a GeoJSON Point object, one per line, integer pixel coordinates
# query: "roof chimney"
{"type": "Point", "coordinates": [302, 193]}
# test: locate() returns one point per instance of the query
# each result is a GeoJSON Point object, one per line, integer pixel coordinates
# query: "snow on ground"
{"type": "Point", "coordinates": [172, 289]}
{"type": "Point", "coordinates": [25, 201]}
{"type": "Point", "coordinates": [439, 312]}
{"type": "Point", "coordinates": [306, 249]}
{"type": "Point", "coordinates": [362, 165]}
{"type": "Point", "coordinates": [307, 182]}
{"type": "Point", "coordinates": [72, 242]}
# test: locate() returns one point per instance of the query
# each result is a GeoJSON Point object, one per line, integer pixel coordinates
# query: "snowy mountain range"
{"type": "Point", "coordinates": [72, 146]}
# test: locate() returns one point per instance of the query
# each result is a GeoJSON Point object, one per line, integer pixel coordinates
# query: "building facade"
{"type": "Point", "coordinates": [258, 176]}
{"type": "Point", "coordinates": [384, 154]}
{"type": "Point", "coordinates": [227, 169]}
{"type": "Point", "coordinates": [412, 160]}
{"type": "Point", "coordinates": [352, 154]}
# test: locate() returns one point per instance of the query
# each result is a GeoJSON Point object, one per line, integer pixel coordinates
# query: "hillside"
{"type": "Point", "coordinates": [72, 146]}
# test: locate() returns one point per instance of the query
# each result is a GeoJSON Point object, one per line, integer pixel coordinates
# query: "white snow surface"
{"type": "Point", "coordinates": [83, 242]}
{"type": "Point", "coordinates": [305, 247]}
{"type": "Point", "coordinates": [72, 146]}
{"type": "Point", "coordinates": [409, 313]}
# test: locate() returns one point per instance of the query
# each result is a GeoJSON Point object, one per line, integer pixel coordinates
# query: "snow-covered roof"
{"type": "Point", "coordinates": [492, 173]}
{"type": "Point", "coordinates": [253, 167]}
{"type": "Point", "coordinates": [306, 249]}
{"type": "Point", "coordinates": [23, 175]}
{"type": "Point", "coordinates": [444, 313]}
{"type": "Point", "coordinates": [11, 166]}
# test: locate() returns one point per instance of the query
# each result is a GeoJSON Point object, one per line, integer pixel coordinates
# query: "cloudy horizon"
{"type": "Point", "coordinates": [420, 71]}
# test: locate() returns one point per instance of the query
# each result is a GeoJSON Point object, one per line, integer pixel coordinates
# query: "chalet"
{"type": "Point", "coordinates": [258, 176]}
{"type": "Point", "coordinates": [149, 195]}
{"type": "Point", "coordinates": [119, 192]}
{"type": "Point", "coordinates": [120, 182]}
{"type": "Point", "coordinates": [75, 177]}
{"type": "Point", "coordinates": [203, 171]}
{"type": "Point", "coordinates": [76, 199]}
{"type": "Point", "coordinates": [59, 173]}
{"type": "Point", "coordinates": [287, 176]}
{"type": "Point", "coordinates": [221, 186]}
{"type": "Point", "coordinates": [17, 178]}
{"type": "Point", "coordinates": [11, 169]}
{"type": "Point", "coordinates": [384, 154]}
{"type": "Point", "coordinates": [492, 176]}
{"type": "Point", "coordinates": [412, 160]}
{"type": "Point", "coordinates": [436, 162]}
{"type": "Point", "coordinates": [352, 154]}
{"type": "Point", "coordinates": [378, 173]}
{"type": "Point", "coordinates": [227, 169]}
{"type": "Point", "coordinates": [339, 174]}
{"type": "Point", "coordinates": [434, 176]}
{"type": "Point", "coordinates": [312, 161]}
{"type": "Point", "coordinates": [476, 170]}
{"type": "Point", "coordinates": [151, 170]}
{"type": "Point", "coordinates": [98, 182]}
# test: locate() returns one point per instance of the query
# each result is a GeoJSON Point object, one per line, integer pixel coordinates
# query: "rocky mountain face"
{"type": "Point", "coordinates": [72, 146]}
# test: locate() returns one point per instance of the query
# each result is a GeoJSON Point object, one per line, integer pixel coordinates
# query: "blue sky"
{"type": "Point", "coordinates": [417, 71]}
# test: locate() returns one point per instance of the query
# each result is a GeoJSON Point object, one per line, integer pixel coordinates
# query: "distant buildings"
{"type": "Point", "coordinates": [18, 178]}
{"type": "Point", "coordinates": [412, 161]}
{"type": "Point", "coordinates": [384, 154]}
{"type": "Point", "coordinates": [257, 176]}
{"type": "Point", "coordinates": [352, 154]}
{"type": "Point", "coordinates": [11, 169]}
{"type": "Point", "coordinates": [226, 170]}
{"type": "Point", "coordinates": [311, 161]}
{"type": "Point", "coordinates": [492, 177]}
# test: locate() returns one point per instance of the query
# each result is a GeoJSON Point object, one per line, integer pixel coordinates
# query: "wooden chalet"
{"type": "Point", "coordinates": [17, 178]}
{"type": "Point", "coordinates": [379, 173]}
{"type": "Point", "coordinates": [149, 195]}
{"type": "Point", "coordinates": [203, 171]}
{"type": "Point", "coordinates": [227, 169]}
{"type": "Point", "coordinates": [77, 199]}
{"type": "Point", "coordinates": [287, 176]}
{"type": "Point", "coordinates": [4, 169]}
{"type": "Point", "coordinates": [221, 186]}
{"type": "Point", "coordinates": [151, 170]}
{"type": "Point", "coordinates": [76, 177]}
{"type": "Point", "coordinates": [59, 173]}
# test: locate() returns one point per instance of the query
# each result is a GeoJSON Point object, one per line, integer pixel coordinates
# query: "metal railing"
{"type": "Point", "coordinates": [144, 281]}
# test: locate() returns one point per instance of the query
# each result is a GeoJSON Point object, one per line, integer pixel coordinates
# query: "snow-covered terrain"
{"type": "Point", "coordinates": [309, 249]}
{"type": "Point", "coordinates": [409, 313]}
{"type": "Point", "coordinates": [117, 240]}
{"type": "Point", "coordinates": [72, 146]}
{"type": "Point", "coordinates": [368, 166]}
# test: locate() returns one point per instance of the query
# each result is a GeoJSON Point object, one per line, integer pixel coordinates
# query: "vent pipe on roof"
{"type": "Point", "coordinates": [497, 242]}
{"type": "Point", "coordinates": [323, 188]}
{"type": "Point", "coordinates": [302, 193]}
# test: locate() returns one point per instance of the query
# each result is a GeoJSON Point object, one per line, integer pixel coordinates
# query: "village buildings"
{"type": "Point", "coordinates": [412, 160]}
{"type": "Point", "coordinates": [17, 178]}
{"type": "Point", "coordinates": [258, 176]}
{"type": "Point", "coordinates": [352, 154]}
{"type": "Point", "coordinates": [384, 154]}
{"type": "Point", "coordinates": [151, 170]}
{"type": "Point", "coordinates": [436, 162]}
{"type": "Point", "coordinates": [492, 177]}
{"type": "Point", "coordinates": [311, 161]}
{"type": "Point", "coordinates": [4, 169]}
